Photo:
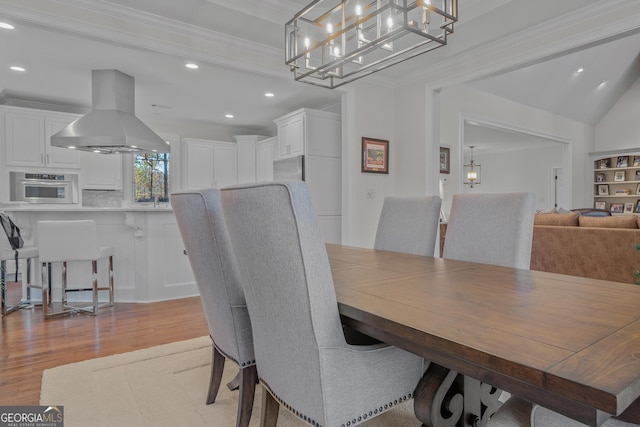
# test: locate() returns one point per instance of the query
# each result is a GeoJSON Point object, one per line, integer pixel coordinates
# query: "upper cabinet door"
{"type": "Point", "coordinates": [27, 141]}
{"type": "Point", "coordinates": [198, 165]}
{"type": "Point", "coordinates": [24, 139]}
{"type": "Point", "coordinates": [57, 157]}
{"type": "Point", "coordinates": [225, 165]}
{"type": "Point", "coordinates": [291, 137]}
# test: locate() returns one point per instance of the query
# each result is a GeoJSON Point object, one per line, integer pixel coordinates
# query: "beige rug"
{"type": "Point", "coordinates": [162, 386]}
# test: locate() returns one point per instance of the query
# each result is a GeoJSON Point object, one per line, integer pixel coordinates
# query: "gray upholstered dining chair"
{"type": "Point", "coordinates": [491, 228]}
{"type": "Point", "coordinates": [409, 224]}
{"type": "Point", "coordinates": [517, 412]}
{"type": "Point", "coordinates": [206, 240]}
{"type": "Point", "coordinates": [303, 360]}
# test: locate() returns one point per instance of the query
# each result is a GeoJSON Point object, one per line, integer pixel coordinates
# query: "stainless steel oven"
{"type": "Point", "coordinates": [43, 187]}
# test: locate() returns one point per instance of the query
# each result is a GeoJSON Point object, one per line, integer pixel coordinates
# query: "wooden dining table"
{"type": "Point", "coordinates": [568, 343]}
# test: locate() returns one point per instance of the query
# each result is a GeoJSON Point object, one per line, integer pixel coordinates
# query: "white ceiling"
{"type": "Point", "coordinates": [238, 46]}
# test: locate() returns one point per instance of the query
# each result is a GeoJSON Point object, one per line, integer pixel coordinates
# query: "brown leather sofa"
{"type": "Point", "coordinates": [594, 247]}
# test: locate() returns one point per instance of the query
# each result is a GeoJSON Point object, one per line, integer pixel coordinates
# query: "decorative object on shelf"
{"type": "Point", "coordinates": [330, 43]}
{"type": "Point", "coordinates": [638, 206]}
{"type": "Point", "coordinates": [623, 161]}
{"type": "Point", "coordinates": [375, 155]}
{"type": "Point", "coordinates": [638, 189]}
{"type": "Point", "coordinates": [472, 171]}
{"type": "Point", "coordinates": [636, 161]}
{"type": "Point", "coordinates": [617, 207]}
{"type": "Point", "coordinates": [618, 176]}
{"type": "Point", "coordinates": [603, 190]}
{"type": "Point", "coordinates": [623, 192]}
{"type": "Point", "coordinates": [628, 208]}
{"type": "Point", "coordinates": [604, 164]}
{"type": "Point", "coordinates": [600, 177]}
{"type": "Point", "coordinates": [445, 160]}
{"type": "Point", "coordinates": [637, 176]}
{"type": "Point", "coordinates": [603, 205]}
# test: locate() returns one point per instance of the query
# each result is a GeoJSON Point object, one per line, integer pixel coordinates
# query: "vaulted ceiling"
{"type": "Point", "coordinates": [238, 47]}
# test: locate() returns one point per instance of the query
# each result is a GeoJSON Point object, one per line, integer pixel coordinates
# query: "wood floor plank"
{"type": "Point", "coordinates": [29, 344]}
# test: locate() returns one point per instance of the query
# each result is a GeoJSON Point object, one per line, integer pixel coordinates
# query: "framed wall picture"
{"type": "Point", "coordinates": [445, 160]}
{"type": "Point", "coordinates": [602, 205]}
{"type": "Point", "coordinates": [375, 155]}
{"type": "Point", "coordinates": [619, 176]}
{"type": "Point", "coordinates": [603, 190]}
{"type": "Point", "coordinates": [617, 207]}
{"type": "Point", "coordinates": [628, 207]}
{"type": "Point", "coordinates": [623, 162]}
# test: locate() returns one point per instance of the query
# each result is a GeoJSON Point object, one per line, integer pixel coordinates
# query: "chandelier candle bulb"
{"type": "Point", "coordinates": [330, 43]}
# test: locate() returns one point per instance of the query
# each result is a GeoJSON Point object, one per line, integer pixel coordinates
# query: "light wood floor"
{"type": "Point", "coordinates": [29, 344]}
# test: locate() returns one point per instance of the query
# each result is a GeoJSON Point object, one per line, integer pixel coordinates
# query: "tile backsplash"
{"type": "Point", "coordinates": [102, 199]}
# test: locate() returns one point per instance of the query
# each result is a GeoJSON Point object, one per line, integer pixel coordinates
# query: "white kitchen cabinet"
{"type": "Point", "coordinates": [27, 139]}
{"type": "Point", "coordinates": [306, 131]}
{"type": "Point", "coordinates": [318, 136]}
{"type": "Point", "coordinates": [265, 155]}
{"type": "Point", "coordinates": [101, 171]}
{"type": "Point", "coordinates": [208, 164]}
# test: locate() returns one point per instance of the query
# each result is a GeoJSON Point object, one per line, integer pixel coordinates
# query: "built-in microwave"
{"type": "Point", "coordinates": [43, 187]}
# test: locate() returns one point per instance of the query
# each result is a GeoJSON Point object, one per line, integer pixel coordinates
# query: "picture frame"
{"type": "Point", "coordinates": [628, 208]}
{"type": "Point", "coordinates": [617, 207]}
{"type": "Point", "coordinates": [638, 206]}
{"type": "Point", "coordinates": [445, 160]}
{"type": "Point", "coordinates": [636, 161]}
{"type": "Point", "coordinates": [623, 162]}
{"type": "Point", "coordinates": [375, 155]}
{"type": "Point", "coordinates": [619, 176]}
{"type": "Point", "coordinates": [600, 177]}
{"type": "Point", "coordinates": [638, 189]}
{"type": "Point", "coordinates": [603, 190]}
{"type": "Point", "coordinates": [601, 205]}
{"type": "Point", "coordinates": [637, 176]}
{"type": "Point", "coordinates": [604, 164]}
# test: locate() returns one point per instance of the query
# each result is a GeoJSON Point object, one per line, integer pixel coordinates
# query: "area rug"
{"type": "Point", "coordinates": [162, 386]}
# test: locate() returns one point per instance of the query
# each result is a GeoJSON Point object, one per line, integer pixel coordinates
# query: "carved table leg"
{"type": "Point", "coordinates": [444, 398]}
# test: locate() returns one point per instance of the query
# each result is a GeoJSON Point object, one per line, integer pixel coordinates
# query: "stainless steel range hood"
{"type": "Point", "coordinates": [111, 126]}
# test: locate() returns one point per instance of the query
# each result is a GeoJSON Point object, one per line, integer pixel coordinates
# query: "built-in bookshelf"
{"type": "Point", "coordinates": [616, 184]}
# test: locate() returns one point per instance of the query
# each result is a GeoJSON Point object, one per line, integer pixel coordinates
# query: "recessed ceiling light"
{"type": "Point", "coordinates": [269, 94]}
{"type": "Point", "coordinates": [6, 26]}
{"type": "Point", "coordinates": [579, 70]}
{"type": "Point", "coordinates": [229, 116]}
{"type": "Point", "coordinates": [191, 65]}
{"type": "Point", "coordinates": [16, 68]}
{"type": "Point", "coordinates": [602, 83]}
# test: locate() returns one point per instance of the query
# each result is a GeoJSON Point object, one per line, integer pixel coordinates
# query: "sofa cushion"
{"type": "Point", "coordinates": [609, 221]}
{"type": "Point", "coordinates": [557, 219]}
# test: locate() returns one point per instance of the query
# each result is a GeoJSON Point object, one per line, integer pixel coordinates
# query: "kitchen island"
{"type": "Point", "coordinates": [149, 261]}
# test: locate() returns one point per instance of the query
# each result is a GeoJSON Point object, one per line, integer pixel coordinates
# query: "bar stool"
{"type": "Point", "coordinates": [7, 254]}
{"type": "Point", "coordinates": [69, 241]}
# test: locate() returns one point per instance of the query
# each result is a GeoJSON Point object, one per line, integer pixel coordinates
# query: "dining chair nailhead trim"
{"type": "Point", "coordinates": [226, 356]}
{"type": "Point", "coordinates": [348, 423]}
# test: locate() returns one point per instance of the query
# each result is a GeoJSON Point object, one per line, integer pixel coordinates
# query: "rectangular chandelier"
{"type": "Point", "coordinates": [329, 44]}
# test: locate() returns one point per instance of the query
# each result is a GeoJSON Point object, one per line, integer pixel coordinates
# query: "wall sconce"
{"type": "Point", "coordinates": [472, 171]}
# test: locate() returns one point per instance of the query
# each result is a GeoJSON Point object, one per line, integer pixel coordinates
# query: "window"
{"type": "Point", "coordinates": [151, 177]}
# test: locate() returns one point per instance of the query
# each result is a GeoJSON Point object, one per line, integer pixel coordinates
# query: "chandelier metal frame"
{"type": "Point", "coordinates": [330, 45]}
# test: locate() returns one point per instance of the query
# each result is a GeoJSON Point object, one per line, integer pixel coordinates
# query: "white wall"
{"type": "Point", "coordinates": [458, 102]}
{"type": "Point", "coordinates": [528, 169]}
{"type": "Point", "coordinates": [367, 111]}
{"type": "Point", "coordinates": [620, 128]}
